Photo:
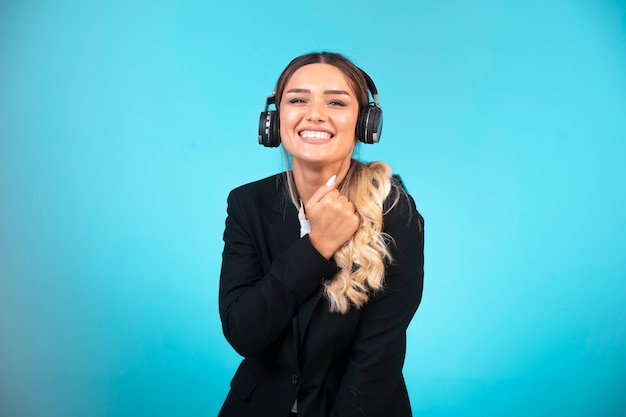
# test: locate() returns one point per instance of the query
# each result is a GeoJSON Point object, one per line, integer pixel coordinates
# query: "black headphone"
{"type": "Point", "coordinates": [369, 125]}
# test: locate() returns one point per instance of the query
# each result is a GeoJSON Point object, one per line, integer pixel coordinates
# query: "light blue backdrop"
{"type": "Point", "coordinates": [123, 125]}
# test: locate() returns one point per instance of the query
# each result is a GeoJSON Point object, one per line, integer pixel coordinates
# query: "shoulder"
{"type": "Point", "coordinates": [399, 207]}
{"type": "Point", "coordinates": [261, 185]}
{"type": "Point", "coordinates": [259, 190]}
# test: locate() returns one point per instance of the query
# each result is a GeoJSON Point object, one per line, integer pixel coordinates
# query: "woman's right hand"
{"type": "Point", "coordinates": [333, 219]}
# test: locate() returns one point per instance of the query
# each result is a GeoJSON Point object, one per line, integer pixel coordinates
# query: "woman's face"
{"type": "Point", "coordinates": [318, 116]}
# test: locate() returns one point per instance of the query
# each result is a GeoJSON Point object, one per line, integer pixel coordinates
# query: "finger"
{"type": "Point", "coordinates": [323, 190]}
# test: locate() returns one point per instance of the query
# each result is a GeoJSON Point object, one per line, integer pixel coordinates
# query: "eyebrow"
{"type": "Point", "coordinates": [329, 92]}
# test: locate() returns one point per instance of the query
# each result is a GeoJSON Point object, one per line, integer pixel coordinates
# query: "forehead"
{"type": "Point", "coordinates": [319, 76]}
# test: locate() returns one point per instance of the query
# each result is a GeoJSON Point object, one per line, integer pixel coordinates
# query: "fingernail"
{"type": "Point", "coordinates": [330, 181]}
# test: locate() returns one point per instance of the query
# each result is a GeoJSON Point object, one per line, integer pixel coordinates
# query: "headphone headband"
{"type": "Point", "coordinates": [370, 86]}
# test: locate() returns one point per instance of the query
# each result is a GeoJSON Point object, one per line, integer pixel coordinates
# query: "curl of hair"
{"type": "Point", "coordinates": [362, 259]}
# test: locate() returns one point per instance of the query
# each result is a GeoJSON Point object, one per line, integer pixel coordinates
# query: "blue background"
{"type": "Point", "coordinates": [123, 125]}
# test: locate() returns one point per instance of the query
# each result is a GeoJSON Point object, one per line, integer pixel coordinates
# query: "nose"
{"type": "Point", "coordinates": [316, 111]}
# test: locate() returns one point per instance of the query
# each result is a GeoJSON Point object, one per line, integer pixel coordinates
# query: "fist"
{"type": "Point", "coordinates": [333, 219]}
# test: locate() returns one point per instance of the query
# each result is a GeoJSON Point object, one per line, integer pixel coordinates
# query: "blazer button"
{"type": "Point", "coordinates": [294, 379]}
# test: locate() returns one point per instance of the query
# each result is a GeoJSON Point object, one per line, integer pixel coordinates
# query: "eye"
{"type": "Point", "coordinates": [297, 100]}
{"type": "Point", "coordinates": [337, 103]}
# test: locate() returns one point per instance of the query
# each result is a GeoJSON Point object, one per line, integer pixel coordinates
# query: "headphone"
{"type": "Point", "coordinates": [369, 124]}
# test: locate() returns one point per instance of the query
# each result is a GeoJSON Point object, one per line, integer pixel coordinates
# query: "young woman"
{"type": "Point", "coordinates": [323, 265]}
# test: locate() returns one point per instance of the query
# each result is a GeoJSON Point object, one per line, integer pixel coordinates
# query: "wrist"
{"type": "Point", "coordinates": [322, 247]}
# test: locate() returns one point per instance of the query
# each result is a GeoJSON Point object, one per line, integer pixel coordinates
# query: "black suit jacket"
{"type": "Point", "coordinates": [274, 315]}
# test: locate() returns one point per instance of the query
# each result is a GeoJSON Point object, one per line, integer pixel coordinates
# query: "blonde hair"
{"type": "Point", "coordinates": [362, 259]}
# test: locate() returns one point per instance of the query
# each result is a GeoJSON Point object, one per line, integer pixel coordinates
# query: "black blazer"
{"type": "Point", "coordinates": [274, 315]}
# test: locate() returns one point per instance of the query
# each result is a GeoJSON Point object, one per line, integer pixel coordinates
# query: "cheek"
{"type": "Point", "coordinates": [287, 119]}
{"type": "Point", "coordinates": [283, 122]}
{"type": "Point", "coordinates": [348, 124]}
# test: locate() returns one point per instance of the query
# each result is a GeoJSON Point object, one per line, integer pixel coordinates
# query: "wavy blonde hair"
{"type": "Point", "coordinates": [362, 259]}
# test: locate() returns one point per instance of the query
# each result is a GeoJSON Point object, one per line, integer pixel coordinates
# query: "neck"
{"type": "Point", "coordinates": [310, 179]}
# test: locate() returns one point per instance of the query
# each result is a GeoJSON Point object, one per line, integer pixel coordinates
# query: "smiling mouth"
{"type": "Point", "coordinates": [315, 134]}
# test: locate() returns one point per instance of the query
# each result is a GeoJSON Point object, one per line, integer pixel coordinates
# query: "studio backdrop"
{"type": "Point", "coordinates": [124, 125]}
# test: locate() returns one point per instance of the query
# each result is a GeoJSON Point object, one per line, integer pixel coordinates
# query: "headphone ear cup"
{"type": "Point", "coordinates": [269, 129]}
{"type": "Point", "coordinates": [370, 124]}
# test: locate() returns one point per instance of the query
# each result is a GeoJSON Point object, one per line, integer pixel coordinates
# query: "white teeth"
{"type": "Point", "coordinates": [315, 134]}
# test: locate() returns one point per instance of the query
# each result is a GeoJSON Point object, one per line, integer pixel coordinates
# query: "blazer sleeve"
{"type": "Point", "coordinates": [256, 306]}
{"type": "Point", "coordinates": [373, 372]}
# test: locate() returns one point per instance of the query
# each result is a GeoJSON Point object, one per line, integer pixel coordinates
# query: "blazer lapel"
{"type": "Point", "coordinates": [284, 231]}
{"type": "Point", "coordinates": [305, 313]}
{"type": "Point", "coordinates": [285, 228]}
